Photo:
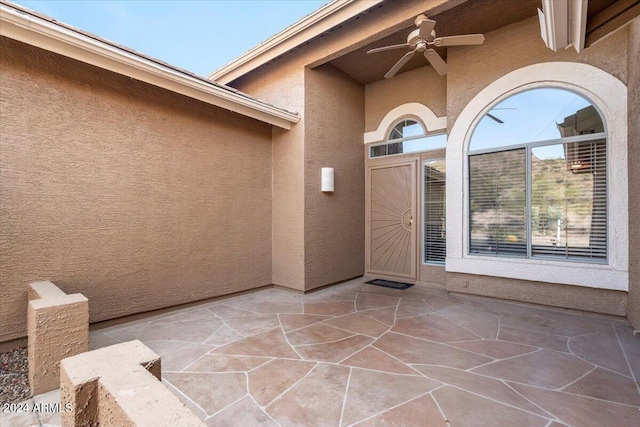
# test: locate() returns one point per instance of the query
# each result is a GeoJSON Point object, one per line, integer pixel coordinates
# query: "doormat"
{"type": "Point", "coordinates": [390, 284]}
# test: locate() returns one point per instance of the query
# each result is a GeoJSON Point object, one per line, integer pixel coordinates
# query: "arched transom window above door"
{"type": "Point", "coordinates": [408, 136]}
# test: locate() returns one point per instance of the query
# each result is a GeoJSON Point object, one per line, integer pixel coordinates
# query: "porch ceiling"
{"type": "Point", "coordinates": [469, 18]}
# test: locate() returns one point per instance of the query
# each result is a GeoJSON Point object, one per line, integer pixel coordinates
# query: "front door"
{"type": "Point", "coordinates": [391, 219]}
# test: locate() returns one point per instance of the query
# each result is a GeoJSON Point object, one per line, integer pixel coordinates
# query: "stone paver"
{"type": "Point", "coordinates": [356, 354]}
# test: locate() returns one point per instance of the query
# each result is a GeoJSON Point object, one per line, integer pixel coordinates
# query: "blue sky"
{"type": "Point", "coordinates": [528, 116]}
{"type": "Point", "coordinates": [200, 36]}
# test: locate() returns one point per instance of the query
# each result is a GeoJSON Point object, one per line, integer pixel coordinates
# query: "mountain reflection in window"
{"type": "Point", "coordinates": [538, 178]}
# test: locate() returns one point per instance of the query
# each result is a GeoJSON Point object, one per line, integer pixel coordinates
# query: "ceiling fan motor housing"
{"type": "Point", "coordinates": [421, 39]}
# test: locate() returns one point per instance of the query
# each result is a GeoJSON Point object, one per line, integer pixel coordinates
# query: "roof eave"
{"type": "Point", "coordinates": [314, 24]}
{"type": "Point", "coordinates": [48, 35]}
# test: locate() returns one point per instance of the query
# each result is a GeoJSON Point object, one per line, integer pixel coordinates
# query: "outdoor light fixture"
{"type": "Point", "coordinates": [327, 180]}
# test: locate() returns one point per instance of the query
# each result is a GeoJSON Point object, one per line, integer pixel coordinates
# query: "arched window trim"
{"type": "Point", "coordinates": [432, 123]}
{"type": "Point", "coordinates": [609, 96]}
{"type": "Point", "coordinates": [524, 88]}
{"type": "Point", "coordinates": [387, 144]}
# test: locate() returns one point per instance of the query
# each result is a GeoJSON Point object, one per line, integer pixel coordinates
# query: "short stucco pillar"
{"type": "Point", "coordinates": [119, 385]}
{"type": "Point", "coordinates": [58, 327]}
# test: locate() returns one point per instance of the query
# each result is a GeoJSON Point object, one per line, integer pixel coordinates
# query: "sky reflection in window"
{"type": "Point", "coordinates": [535, 115]}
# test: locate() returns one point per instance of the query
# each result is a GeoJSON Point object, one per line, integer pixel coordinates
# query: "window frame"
{"type": "Point", "coordinates": [528, 148]}
{"type": "Point", "coordinates": [423, 204]}
{"type": "Point", "coordinates": [609, 96]}
{"type": "Point", "coordinates": [388, 141]}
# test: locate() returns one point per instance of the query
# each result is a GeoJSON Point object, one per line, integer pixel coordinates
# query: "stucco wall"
{"type": "Point", "coordinates": [133, 196]}
{"type": "Point", "coordinates": [578, 298]}
{"type": "Point", "coordinates": [284, 86]}
{"type": "Point", "coordinates": [334, 222]}
{"type": "Point", "coordinates": [283, 83]}
{"type": "Point", "coordinates": [633, 102]}
{"type": "Point", "coordinates": [516, 46]}
{"type": "Point", "coordinates": [422, 85]}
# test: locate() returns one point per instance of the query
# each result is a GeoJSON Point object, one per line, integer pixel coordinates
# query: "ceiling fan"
{"type": "Point", "coordinates": [420, 40]}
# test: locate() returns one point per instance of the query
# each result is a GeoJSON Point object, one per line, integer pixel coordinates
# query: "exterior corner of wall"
{"type": "Point", "coordinates": [333, 222]}
{"type": "Point", "coordinates": [633, 144]}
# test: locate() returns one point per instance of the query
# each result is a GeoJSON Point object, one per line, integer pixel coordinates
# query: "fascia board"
{"type": "Point", "coordinates": [313, 25]}
{"type": "Point", "coordinates": [49, 36]}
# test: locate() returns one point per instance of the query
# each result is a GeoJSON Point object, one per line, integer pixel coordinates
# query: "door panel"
{"type": "Point", "coordinates": [391, 225]}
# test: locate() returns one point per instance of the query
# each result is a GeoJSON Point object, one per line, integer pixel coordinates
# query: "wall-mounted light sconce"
{"type": "Point", "coordinates": [327, 180]}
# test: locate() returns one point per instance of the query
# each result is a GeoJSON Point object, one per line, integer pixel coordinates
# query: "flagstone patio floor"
{"type": "Point", "coordinates": [357, 354]}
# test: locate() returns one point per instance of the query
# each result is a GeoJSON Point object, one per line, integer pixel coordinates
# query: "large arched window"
{"type": "Point", "coordinates": [408, 136]}
{"type": "Point", "coordinates": [537, 167]}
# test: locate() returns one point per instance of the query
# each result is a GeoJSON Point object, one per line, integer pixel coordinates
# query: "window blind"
{"type": "Point", "coordinates": [569, 201]}
{"type": "Point", "coordinates": [434, 212]}
{"type": "Point", "coordinates": [498, 203]}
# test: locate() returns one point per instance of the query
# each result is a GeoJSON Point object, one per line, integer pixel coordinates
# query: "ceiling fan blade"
{"type": "Point", "coordinates": [491, 116]}
{"type": "Point", "coordinates": [382, 49]}
{"type": "Point", "coordinates": [392, 72]}
{"type": "Point", "coordinates": [436, 62]}
{"type": "Point", "coordinates": [467, 39]}
{"type": "Point", "coordinates": [426, 27]}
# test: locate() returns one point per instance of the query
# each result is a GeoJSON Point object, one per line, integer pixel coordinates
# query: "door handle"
{"type": "Point", "coordinates": [410, 219]}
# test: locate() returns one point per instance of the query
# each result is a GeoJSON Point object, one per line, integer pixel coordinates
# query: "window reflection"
{"type": "Point", "coordinates": [406, 129]}
{"type": "Point", "coordinates": [538, 178]}
{"type": "Point", "coordinates": [415, 145]}
{"type": "Point", "coordinates": [536, 115]}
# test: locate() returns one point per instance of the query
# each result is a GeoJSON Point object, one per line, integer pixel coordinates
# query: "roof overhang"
{"type": "Point", "coordinates": [314, 24]}
{"type": "Point", "coordinates": [42, 33]}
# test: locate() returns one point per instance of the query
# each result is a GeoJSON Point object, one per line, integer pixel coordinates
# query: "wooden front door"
{"type": "Point", "coordinates": [391, 219]}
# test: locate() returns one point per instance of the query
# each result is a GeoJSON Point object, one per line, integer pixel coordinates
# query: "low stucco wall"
{"type": "Point", "coordinates": [58, 327]}
{"type": "Point", "coordinates": [136, 197]}
{"type": "Point", "coordinates": [551, 294]}
{"type": "Point", "coordinates": [120, 385]}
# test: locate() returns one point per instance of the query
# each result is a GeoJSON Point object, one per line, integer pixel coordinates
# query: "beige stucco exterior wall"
{"type": "Point", "coordinates": [334, 222]}
{"type": "Point", "coordinates": [552, 294]}
{"type": "Point", "coordinates": [284, 86]}
{"type": "Point", "coordinates": [516, 46]}
{"type": "Point", "coordinates": [422, 85]}
{"type": "Point", "coordinates": [318, 238]}
{"type": "Point", "coordinates": [283, 83]}
{"type": "Point", "coordinates": [136, 197]}
{"type": "Point", "coordinates": [633, 309]}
